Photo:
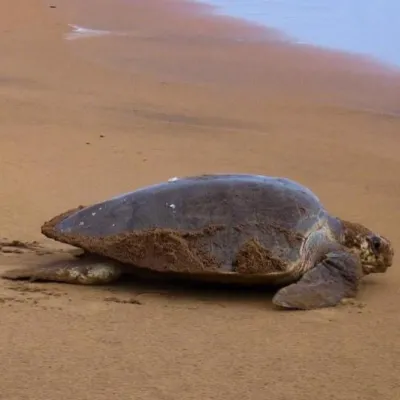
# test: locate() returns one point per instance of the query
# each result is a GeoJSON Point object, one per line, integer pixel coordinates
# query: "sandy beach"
{"type": "Point", "coordinates": [174, 91]}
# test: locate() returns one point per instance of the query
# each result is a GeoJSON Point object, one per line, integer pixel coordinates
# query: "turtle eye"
{"type": "Point", "coordinates": [376, 243]}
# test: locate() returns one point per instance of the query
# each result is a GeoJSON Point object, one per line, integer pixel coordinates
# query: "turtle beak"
{"type": "Point", "coordinates": [389, 253]}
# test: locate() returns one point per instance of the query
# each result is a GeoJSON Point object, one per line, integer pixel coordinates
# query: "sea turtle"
{"type": "Point", "coordinates": [224, 227]}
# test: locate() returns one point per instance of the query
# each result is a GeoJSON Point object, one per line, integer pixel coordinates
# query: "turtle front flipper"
{"type": "Point", "coordinates": [336, 277]}
{"type": "Point", "coordinates": [81, 272]}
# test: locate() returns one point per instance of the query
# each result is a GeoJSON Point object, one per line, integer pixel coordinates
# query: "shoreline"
{"type": "Point", "coordinates": [331, 77]}
{"type": "Point", "coordinates": [287, 32]}
{"type": "Point", "coordinates": [240, 29]}
{"type": "Point", "coordinates": [269, 33]}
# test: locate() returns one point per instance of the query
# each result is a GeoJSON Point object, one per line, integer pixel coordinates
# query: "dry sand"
{"type": "Point", "coordinates": [86, 119]}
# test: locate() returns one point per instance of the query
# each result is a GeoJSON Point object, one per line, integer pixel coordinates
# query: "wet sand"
{"type": "Point", "coordinates": [87, 119]}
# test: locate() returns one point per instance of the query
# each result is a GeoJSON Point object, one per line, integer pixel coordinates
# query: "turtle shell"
{"type": "Point", "coordinates": [226, 224]}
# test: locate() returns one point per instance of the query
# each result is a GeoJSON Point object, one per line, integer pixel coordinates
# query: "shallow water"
{"type": "Point", "coordinates": [77, 32]}
{"type": "Point", "coordinates": [370, 27]}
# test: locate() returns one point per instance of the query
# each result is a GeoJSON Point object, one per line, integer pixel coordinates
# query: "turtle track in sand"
{"type": "Point", "coordinates": [13, 247]}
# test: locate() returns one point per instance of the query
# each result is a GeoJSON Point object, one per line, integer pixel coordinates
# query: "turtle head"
{"type": "Point", "coordinates": [375, 251]}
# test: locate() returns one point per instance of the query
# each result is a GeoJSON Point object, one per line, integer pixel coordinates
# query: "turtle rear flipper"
{"type": "Point", "coordinates": [83, 272]}
{"type": "Point", "coordinates": [325, 285]}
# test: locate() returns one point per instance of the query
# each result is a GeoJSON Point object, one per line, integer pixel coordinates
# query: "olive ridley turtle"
{"type": "Point", "coordinates": [242, 228]}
